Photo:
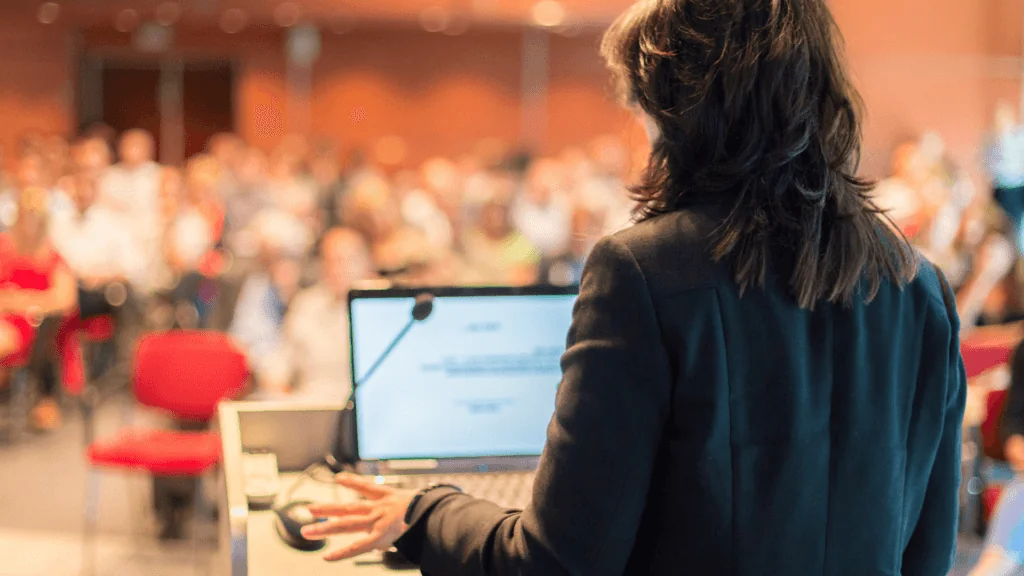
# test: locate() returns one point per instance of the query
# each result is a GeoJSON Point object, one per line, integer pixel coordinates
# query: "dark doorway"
{"type": "Point", "coordinates": [131, 99]}
{"type": "Point", "coordinates": [181, 102]}
{"type": "Point", "coordinates": [207, 102]}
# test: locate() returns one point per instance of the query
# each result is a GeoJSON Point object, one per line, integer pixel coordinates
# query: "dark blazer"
{"type": "Point", "coordinates": [700, 432]}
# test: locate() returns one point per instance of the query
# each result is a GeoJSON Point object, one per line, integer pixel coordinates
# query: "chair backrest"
{"type": "Point", "coordinates": [991, 435]}
{"type": "Point", "coordinates": [188, 373]}
{"type": "Point", "coordinates": [980, 357]}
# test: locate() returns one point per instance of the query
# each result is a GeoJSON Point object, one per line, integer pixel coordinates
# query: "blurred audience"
{"type": "Point", "coordinates": [496, 250]}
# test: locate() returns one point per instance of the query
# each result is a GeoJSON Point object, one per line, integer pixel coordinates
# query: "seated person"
{"type": "Point", "coordinates": [248, 199]}
{"type": "Point", "coordinates": [258, 322]}
{"type": "Point", "coordinates": [372, 210]}
{"type": "Point", "coordinates": [496, 251]}
{"type": "Point", "coordinates": [312, 361]}
{"type": "Point", "coordinates": [95, 244]}
{"type": "Point", "coordinates": [34, 284]}
{"type": "Point", "coordinates": [193, 221]}
{"type": "Point", "coordinates": [542, 212]}
{"type": "Point", "coordinates": [1003, 553]}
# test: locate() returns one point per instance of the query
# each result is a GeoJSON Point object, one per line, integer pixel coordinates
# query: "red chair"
{"type": "Point", "coordinates": [981, 356]}
{"type": "Point", "coordinates": [186, 374]}
{"type": "Point", "coordinates": [992, 447]}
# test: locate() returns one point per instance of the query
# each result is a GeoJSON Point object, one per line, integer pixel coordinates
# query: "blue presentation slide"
{"type": "Point", "coordinates": [476, 378]}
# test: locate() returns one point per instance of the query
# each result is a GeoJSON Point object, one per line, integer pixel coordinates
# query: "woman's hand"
{"type": "Point", "coordinates": [381, 515]}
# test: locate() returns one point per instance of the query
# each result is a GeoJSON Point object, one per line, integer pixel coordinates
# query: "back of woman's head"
{"type": "Point", "coordinates": [754, 109]}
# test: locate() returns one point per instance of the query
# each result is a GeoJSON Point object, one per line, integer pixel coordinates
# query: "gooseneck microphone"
{"type": "Point", "coordinates": [420, 312]}
{"type": "Point", "coordinates": [344, 452]}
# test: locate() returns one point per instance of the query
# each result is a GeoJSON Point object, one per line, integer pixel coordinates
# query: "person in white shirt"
{"type": "Point", "coordinates": [132, 188]}
{"type": "Point", "coordinates": [313, 360]}
{"type": "Point", "coordinates": [426, 207]}
{"type": "Point", "coordinates": [132, 185]}
{"type": "Point", "coordinates": [93, 240]}
{"type": "Point", "coordinates": [543, 213]}
{"type": "Point", "coordinates": [291, 191]}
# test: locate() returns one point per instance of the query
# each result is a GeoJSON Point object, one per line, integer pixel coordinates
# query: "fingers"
{"type": "Point", "coordinates": [368, 544]}
{"type": "Point", "coordinates": [364, 486]}
{"type": "Point", "coordinates": [341, 526]}
{"type": "Point", "coordinates": [328, 510]}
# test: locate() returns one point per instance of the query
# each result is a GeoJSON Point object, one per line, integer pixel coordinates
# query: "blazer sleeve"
{"type": "Point", "coordinates": [592, 482]}
{"type": "Point", "coordinates": [931, 549]}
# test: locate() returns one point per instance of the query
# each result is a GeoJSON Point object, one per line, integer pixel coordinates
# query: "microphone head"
{"type": "Point", "coordinates": [423, 307]}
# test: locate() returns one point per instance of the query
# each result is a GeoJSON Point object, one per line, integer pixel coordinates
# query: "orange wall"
{"type": "Point", "coordinates": [938, 65]}
{"type": "Point", "coordinates": [438, 94]}
{"type": "Point", "coordinates": [35, 82]}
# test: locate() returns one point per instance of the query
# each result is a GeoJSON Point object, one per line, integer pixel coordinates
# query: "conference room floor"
{"type": "Point", "coordinates": [42, 493]}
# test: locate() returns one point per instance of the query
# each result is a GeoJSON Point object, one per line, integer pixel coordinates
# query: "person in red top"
{"type": "Point", "coordinates": [34, 284]}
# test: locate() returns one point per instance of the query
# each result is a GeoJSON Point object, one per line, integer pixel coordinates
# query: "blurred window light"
{"type": "Point", "coordinates": [287, 14]}
{"type": "Point", "coordinates": [48, 12]}
{"type": "Point", "coordinates": [167, 13]}
{"type": "Point", "coordinates": [548, 13]}
{"type": "Point", "coordinates": [126, 20]}
{"type": "Point", "coordinates": [233, 20]}
{"type": "Point", "coordinates": [434, 19]}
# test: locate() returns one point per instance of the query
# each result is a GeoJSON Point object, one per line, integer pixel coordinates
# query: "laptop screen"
{"type": "Point", "coordinates": [476, 378]}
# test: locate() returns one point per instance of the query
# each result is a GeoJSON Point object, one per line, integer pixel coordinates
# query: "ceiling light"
{"type": "Point", "coordinates": [287, 14]}
{"type": "Point", "coordinates": [434, 19]}
{"type": "Point", "coordinates": [548, 13]}
{"type": "Point", "coordinates": [48, 12]}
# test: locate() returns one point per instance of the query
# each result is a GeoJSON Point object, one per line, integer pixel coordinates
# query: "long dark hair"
{"type": "Point", "coordinates": [755, 109]}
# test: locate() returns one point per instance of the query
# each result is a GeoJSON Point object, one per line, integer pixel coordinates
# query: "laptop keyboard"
{"type": "Point", "coordinates": [507, 489]}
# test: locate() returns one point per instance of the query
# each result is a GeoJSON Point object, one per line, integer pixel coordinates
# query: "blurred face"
{"type": "Point", "coordinates": [284, 167]}
{"type": "Point", "coordinates": [346, 259]}
{"type": "Point", "coordinates": [285, 274]}
{"type": "Point", "coordinates": [31, 171]}
{"type": "Point", "coordinates": [253, 169]}
{"type": "Point", "coordinates": [202, 178]}
{"type": "Point", "coordinates": [225, 149]}
{"type": "Point", "coordinates": [136, 148]}
{"type": "Point", "coordinates": [92, 154]}
{"type": "Point", "coordinates": [325, 170]}
{"type": "Point", "coordinates": [374, 210]}
{"type": "Point", "coordinates": [494, 220]}
{"type": "Point", "coordinates": [545, 180]}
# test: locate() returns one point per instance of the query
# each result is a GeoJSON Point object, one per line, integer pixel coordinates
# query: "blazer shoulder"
{"type": "Point", "coordinates": [931, 283]}
{"type": "Point", "coordinates": [673, 250]}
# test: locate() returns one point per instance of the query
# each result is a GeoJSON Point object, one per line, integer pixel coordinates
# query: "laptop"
{"type": "Point", "coordinates": [457, 385]}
